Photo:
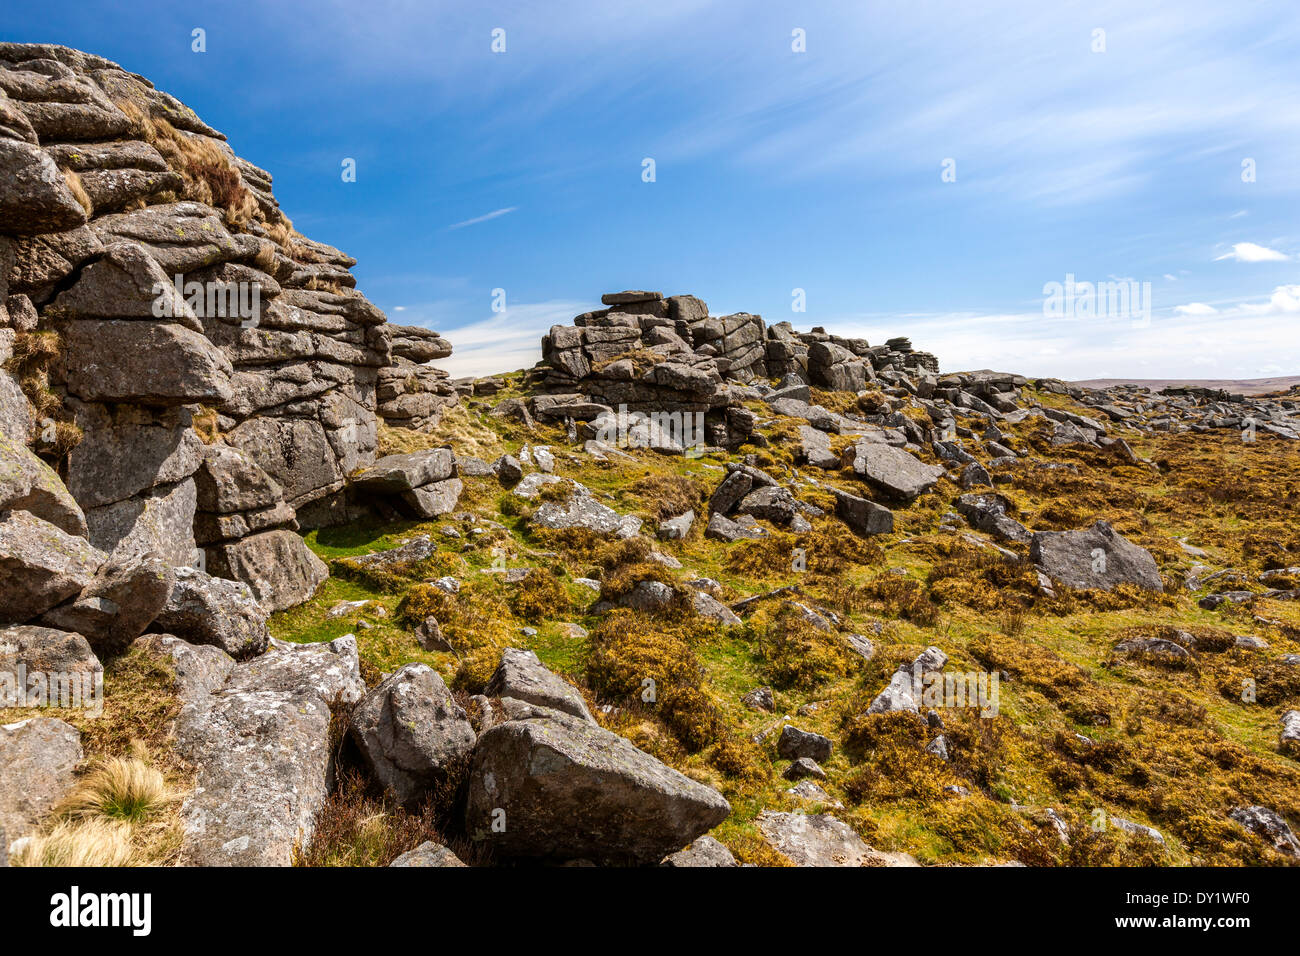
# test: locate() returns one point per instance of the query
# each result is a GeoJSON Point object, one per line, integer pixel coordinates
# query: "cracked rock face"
{"type": "Point", "coordinates": [168, 293]}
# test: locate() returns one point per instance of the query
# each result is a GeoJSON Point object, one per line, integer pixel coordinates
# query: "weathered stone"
{"type": "Point", "coordinates": [821, 840]}
{"type": "Point", "coordinates": [428, 854]}
{"type": "Point", "coordinates": [522, 676]}
{"type": "Point", "coordinates": [893, 471]}
{"type": "Point", "coordinates": [863, 516]}
{"type": "Point", "coordinates": [40, 566]}
{"type": "Point", "coordinates": [28, 484]}
{"type": "Point", "coordinates": [414, 736]}
{"type": "Point", "coordinates": [795, 743]}
{"type": "Point", "coordinates": [160, 520]}
{"type": "Point", "coordinates": [39, 757]}
{"type": "Point", "coordinates": [146, 362]}
{"type": "Point", "coordinates": [203, 609]}
{"type": "Point", "coordinates": [277, 565]}
{"type": "Point", "coordinates": [676, 529]}
{"type": "Point", "coordinates": [1269, 826]}
{"type": "Point", "coordinates": [129, 449]}
{"type": "Point", "coordinates": [56, 665]}
{"type": "Point", "coordinates": [1098, 557]}
{"type": "Point", "coordinates": [706, 851]}
{"type": "Point", "coordinates": [988, 513]}
{"type": "Point", "coordinates": [570, 790]}
{"type": "Point", "coordinates": [36, 198]}
{"type": "Point", "coordinates": [128, 591]}
{"type": "Point", "coordinates": [434, 499]}
{"type": "Point", "coordinates": [394, 474]}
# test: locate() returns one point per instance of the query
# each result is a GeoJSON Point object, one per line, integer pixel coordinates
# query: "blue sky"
{"type": "Point", "coordinates": [775, 170]}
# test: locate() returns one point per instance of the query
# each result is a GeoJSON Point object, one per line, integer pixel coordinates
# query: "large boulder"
{"type": "Point", "coordinates": [203, 609]}
{"type": "Point", "coordinates": [1098, 557]}
{"type": "Point", "coordinates": [522, 676]}
{"type": "Point", "coordinates": [277, 565]}
{"type": "Point", "coordinates": [35, 198]}
{"type": "Point", "coordinates": [894, 472]}
{"type": "Point", "coordinates": [394, 474]}
{"type": "Point", "coordinates": [40, 566]}
{"type": "Point", "coordinates": [124, 597]}
{"type": "Point", "coordinates": [556, 788]}
{"type": "Point", "coordinates": [582, 510]}
{"type": "Point", "coordinates": [153, 363]}
{"type": "Point", "coordinates": [261, 744]}
{"type": "Point", "coordinates": [413, 735]}
{"type": "Point", "coordinates": [59, 667]}
{"type": "Point", "coordinates": [39, 757]}
{"type": "Point", "coordinates": [160, 519]}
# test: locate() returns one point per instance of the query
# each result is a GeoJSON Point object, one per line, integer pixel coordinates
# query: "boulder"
{"type": "Point", "coordinates": [821, 840]}
{"type": "Point", "coordinates": [277, 565]}
{"type": "Point", "coordinates": [40, 757]}
{"type": "Point", "coordinates": [815, 448]}
{"type": "Point", "coordinates": [434, 499]}
{"type": "Point", "coordinates": [153, 363]}
{"type": "Point", "coordinates": [522, 676]}
{"type": "Point", "coordinates": [57, 655]}
{"type": "Point", "coordinates": [412, 733]}
{"type": "Point", "coordinates": [722, 528]}
{"type": "Point", "coordinates": [706, 851]}
{"type": "Point", "coordinates": [36, 198]}
{"type": "Point", "coordinates": [903, 690]}
{"type": "Point", "coordinates": [553, 787]}
{"type": "Point", "coordinates": [261, 746]}
{"type": "Point", "coordinates": [203, 609]}
{"type": "Point", "coordinates": [1098, 557]}
{"type": "Point", "coordinates": [40, 566]}
{"type": "Point", "coordinates": [802, 768]}
{"type": "Point", "coordinates": [428, 854]}
{"type": "Point", "coordinates": [28, 484]}
{"type": "Point", "coordinates": [676, 529]}
{"type": "Point", "coordinates": [863, 516]}
{"type": "Point", "coordinates": [1289, 739]}
{"type": "Point", "coordinates": [795, 743]}
{"type": "Point", "coordinates": [582, 510]}
{"type": "Point", "coordinates": [160, 519]}
{"type": "Point", "coordinates": [127, 593]}
{"type": "Point", "coordinates": [394, 474]}
{"type": "Point", "coordinates": [1269, 826]}
{"type": "Point", "coordinates": [988, 513]}
{"type": "Point", "coordinates": [125, 283]}
{"type": "Point", "coordinates": [894, 472]}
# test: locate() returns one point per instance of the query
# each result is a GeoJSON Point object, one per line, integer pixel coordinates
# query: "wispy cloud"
{"type": "Point", "coordinates": [1251, 252]}
{"type": "Point", "coordinates": [494, 214]}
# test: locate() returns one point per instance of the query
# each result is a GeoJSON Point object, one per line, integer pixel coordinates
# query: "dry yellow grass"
{"type": "Point", "coordinates": [90, 842]}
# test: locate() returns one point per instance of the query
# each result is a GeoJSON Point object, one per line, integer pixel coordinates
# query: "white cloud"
{"type": "Point", "coordinates": [501, 342]}
{"type": "Point", "coordinates": [1232, 341]}
{"type": "Point", "coordinates": [1251, 252]}
{"type": "Point", "coordinates": [494, 214]}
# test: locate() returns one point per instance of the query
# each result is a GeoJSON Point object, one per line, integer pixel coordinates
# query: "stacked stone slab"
{"type": "Point", "coordinates": [413, 394]}
{"type": "Point", "coordinates": [640, 353]}
{"type": "Point", "coordinates": [111, 192]}
{"type": "Point", "coordinates": [704, 355]}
